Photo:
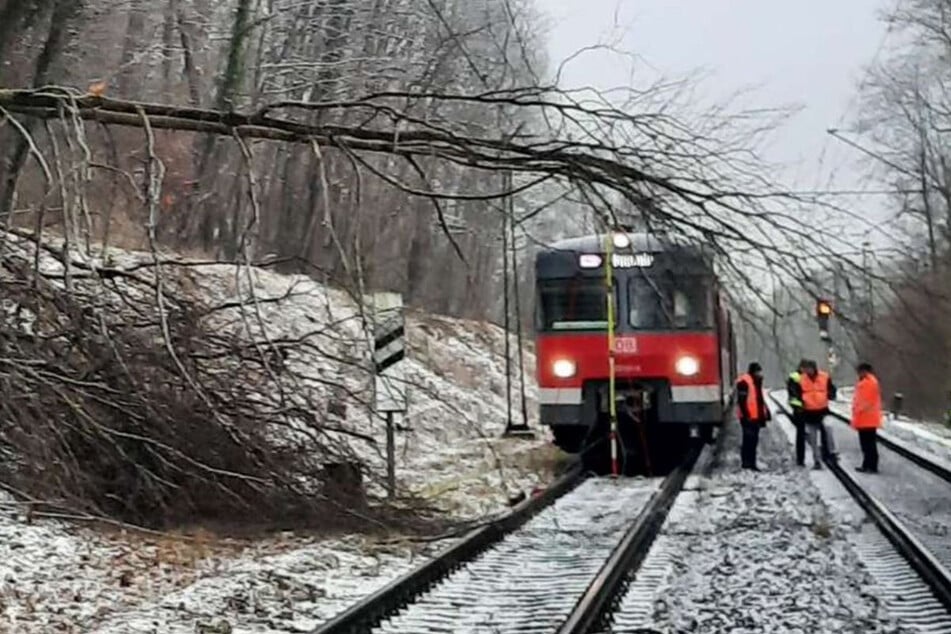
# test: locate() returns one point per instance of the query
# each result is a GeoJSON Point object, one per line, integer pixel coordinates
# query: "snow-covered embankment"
{"type": "Point", "coordinates": [60, 576]}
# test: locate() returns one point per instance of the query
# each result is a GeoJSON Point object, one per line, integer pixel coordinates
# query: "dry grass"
{"type": "Point", "coordinates": [545, 460]}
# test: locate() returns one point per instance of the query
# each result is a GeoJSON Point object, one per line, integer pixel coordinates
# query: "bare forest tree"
{"type": "Point", "coordinates": [243, 54]}
{"type": "Point", "coordinates": [906, 124]}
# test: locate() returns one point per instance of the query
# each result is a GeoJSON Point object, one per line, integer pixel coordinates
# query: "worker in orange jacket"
{"type": "Point", "coordinates": [817, 391]}
{"type": "Point", "coordinates": [752, 412]}
{"type": "Point", "coordinates": [867, 416]}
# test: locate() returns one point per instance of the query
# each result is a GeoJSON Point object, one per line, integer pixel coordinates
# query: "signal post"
{"type": "Point", "coordinates": [389, 381]}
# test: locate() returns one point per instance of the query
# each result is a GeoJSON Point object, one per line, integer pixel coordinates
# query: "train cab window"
{"type": "Point", "coordinates": [572, 304]}
{"type": "Point", "coordinates": [670, 303]}
{"type": "Point", "coordinates": [650, 305]}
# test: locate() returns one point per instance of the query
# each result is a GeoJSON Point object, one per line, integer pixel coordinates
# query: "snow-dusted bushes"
{"type": "Point", "coordinates": [126, 394]}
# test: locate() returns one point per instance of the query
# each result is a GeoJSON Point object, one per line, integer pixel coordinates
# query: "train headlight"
{"type": "Point", "coordinates": [687, 366]}
{"type": "Point", "coordinates": [564, 368]}
{"type": "Point", "coordinates": [589, 260]}
{"type": "Point", "coordinates": [621, 240]}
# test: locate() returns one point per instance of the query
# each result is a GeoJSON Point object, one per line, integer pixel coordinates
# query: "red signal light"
{"type": "Point", "coordinates": [823, 312]}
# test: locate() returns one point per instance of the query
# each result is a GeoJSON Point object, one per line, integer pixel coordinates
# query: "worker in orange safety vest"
{"type": "Point", "coordinates": [867, 416]}
{"type": "Point", "coordinates": [817, 391]}
{"type": "Point", "coordinates": [752, 412]}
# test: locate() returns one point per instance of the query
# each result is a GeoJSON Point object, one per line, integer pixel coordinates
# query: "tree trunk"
{"type": "Point", "coordinates": [168, 42]}
{"type": "Point", "coordinates": [233, 76]}
{"type": "Point", "coordinates": [203, 225]}
{"type": "Point", "coordinates": [129, 74]}
{"type": "Point", "coordinates": [188, 57]}
{"type": "Point", "coordinates": [64, 11]}
{"type": "Point", "coordinates": [16, 17]}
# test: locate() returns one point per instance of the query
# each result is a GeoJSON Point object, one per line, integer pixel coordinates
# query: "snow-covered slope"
{"type": "Point", "coordinates": [449, 445]}
{"type": "Point", "coordinates": [56, 575]}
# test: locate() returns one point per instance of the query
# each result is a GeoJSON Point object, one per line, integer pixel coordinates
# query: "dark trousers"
{"type": "Point", "coordinates": [868, 439]}
{"type": "Point", "coordinates": [818, 419]}
{"type": "Point", "coordinates": [800, 424]}
{"type": "Point", "coordinates": [750, 441]}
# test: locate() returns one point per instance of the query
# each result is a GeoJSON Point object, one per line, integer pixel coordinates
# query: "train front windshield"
{"type": "Point", "coordinates": [573, 304]}
{"type": "Point", "coordinates": [669, 302]}
{"type": "Point", "coordinates": [653, 302]}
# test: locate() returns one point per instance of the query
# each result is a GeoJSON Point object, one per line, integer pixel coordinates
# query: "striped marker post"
{"type": "Point", "coordinates": [389, 383]}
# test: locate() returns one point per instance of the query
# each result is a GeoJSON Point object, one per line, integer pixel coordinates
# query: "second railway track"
{"type": "Point", "coordinates": [914, 571]}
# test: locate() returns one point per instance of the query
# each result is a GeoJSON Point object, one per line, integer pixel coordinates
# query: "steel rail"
{"type": "Point", "coordinates": [943, 471]}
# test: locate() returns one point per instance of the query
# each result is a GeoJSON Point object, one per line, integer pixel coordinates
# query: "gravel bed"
{"type": "Point", "coordinates": [755, 552]}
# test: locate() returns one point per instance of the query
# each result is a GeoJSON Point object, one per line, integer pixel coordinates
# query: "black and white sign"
{"type": "Point", "coordinates": [389, 350]}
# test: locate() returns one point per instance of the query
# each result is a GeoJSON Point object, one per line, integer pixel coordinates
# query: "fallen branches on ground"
{"type": "Point", "coordinates": [115, 407]}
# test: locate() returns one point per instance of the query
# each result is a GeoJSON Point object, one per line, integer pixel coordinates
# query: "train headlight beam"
{"type": "Point", "coordinates": [564, 368]}
{"type": "Point", "coordinates": [687, 366]}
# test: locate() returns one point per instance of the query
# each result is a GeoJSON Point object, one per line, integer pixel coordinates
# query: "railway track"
{"type": "Point", "coordinates": [366, 614]}
{"type": "Point", "coordinates": [938, 469]}
{"type": "Point", "coordinates": [558, 567]}
{"type": "Point", "coordinates": [608, 586]}
{"type": "Point", "coordinates": [899, 560]}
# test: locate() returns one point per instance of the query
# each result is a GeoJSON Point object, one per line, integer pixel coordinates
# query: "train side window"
{"type": "Point", "coordinates": [573, 304]}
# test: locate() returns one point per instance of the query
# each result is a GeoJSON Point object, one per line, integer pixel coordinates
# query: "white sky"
{"type": "Point", "coordinates": [809, 53]}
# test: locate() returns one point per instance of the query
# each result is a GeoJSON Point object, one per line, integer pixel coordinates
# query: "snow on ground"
{"type": "Point", "coordinates": [918, 498]}
{"type": "Point", "coordinates": [758, 552]}
{"type": "Point", "coordinates": [449, 448]}
{"type": "Point", "coordinates": [524, 583]}
{"type": "Point", "coordinates": [58, 576]}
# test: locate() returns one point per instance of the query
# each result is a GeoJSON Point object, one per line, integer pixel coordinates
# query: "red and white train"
{"type": "Point", "coordinates": [675, 356]}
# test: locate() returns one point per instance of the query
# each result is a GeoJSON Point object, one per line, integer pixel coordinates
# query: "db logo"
{"type": "Point", "coordinates": [626, 345]}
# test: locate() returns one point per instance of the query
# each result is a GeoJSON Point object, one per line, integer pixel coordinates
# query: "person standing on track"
{"type": "Point", "coordinates": [867, 416]}
{"type": "Point", "coordinates": [752, 412]}
{"type": "Point", "coordinates": [794, 398]}
{"type": "Point", "coordinates": [817, 391]}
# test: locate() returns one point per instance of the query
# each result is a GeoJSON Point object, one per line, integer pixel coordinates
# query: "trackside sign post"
{"type": "Point", "coordinates": [389, 382]}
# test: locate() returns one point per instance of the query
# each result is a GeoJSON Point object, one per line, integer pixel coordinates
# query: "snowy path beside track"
{"type": "Point", "coordinates": [753, 552]}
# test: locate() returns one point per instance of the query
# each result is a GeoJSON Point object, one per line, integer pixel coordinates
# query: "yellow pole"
{"type": "Point", "coordinates": [612, 403]}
